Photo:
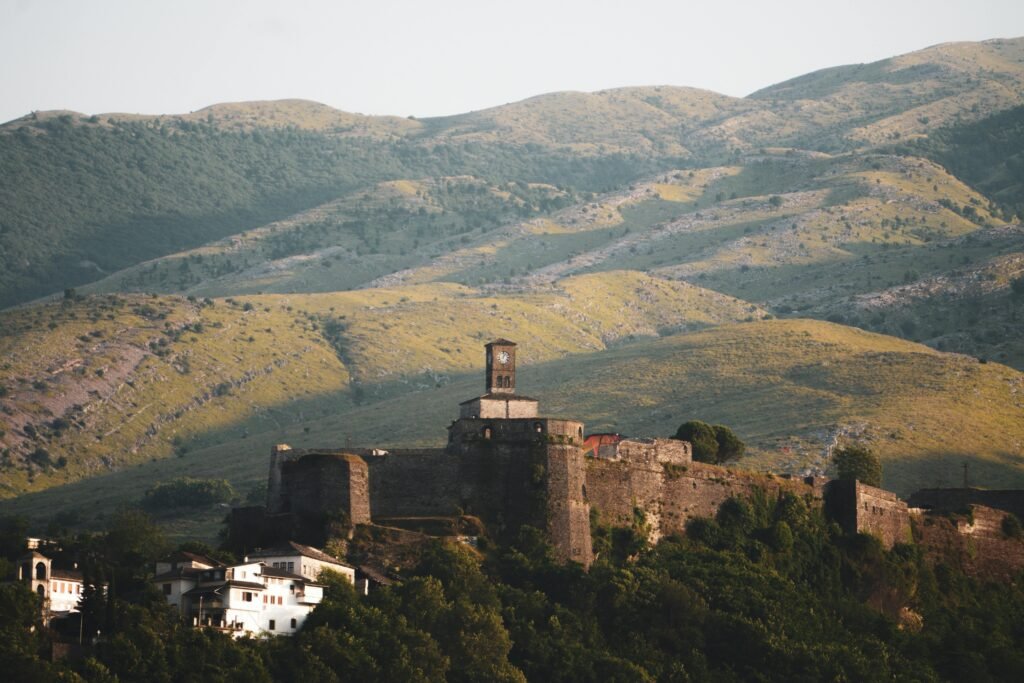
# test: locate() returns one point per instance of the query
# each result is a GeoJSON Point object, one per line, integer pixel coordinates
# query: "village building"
{"type": "Point", "coordinates": [303, 560]}
{"type": "Point", "coordinates": [60, 589]}
{"type": "Point", "coordinates": [271, 594]}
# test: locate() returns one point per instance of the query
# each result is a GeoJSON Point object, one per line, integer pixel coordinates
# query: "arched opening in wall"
{"type": "Point", "coordinates": [41, 592]}
{"type": "Point", "coordinates": [41, 570]}
{"type": "Point", "coordinates": [538, 427]}
{"type": "Point", "coordinates": [26, 571]}
{"type": "Point", "coordinates": [580, 430]}
{"type": "Point", "coordinates": [486, 432]}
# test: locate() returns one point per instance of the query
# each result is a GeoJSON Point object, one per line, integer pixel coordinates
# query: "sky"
{"type": "Point", "coordinates": [435, 57]}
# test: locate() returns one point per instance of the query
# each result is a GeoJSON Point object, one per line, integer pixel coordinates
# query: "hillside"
{"type": "Point", "coordinates": [93, 385]}
{"type": "Point", "coordinates": [86, 196]}
{"type": "Point", "coordinates": [905, 96]}
{"type": "Point", "coordinates": [791, 389]}
{"type": "Point", "coordinates": [987, 154]}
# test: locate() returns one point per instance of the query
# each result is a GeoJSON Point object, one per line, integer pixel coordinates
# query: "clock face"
{"type": "Point", "coordinates": [503, 357]}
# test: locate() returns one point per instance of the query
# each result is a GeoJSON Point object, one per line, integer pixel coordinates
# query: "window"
{"type": "Point", "coordinates": [294, 622]}
{"type": "Point", "coordinates": [264, 599]}
{"type": "Point", "coordinates": [272, 625]}
{"type": "Point", "coordinates": [291, 567]}
{"type": "Point", "coordinates": [280, 600]}
{"type": "Point", "coordinates": [40, 570]}
{"type": "Point", "coordinates": [167, 589]}
{"type": "Point", "coordinates": [246, 596]}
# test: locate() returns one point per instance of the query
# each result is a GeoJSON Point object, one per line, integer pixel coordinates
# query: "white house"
{"type": "Point", "coordinates": [251, 598]}
{"type": "Point", "coordinates": [303, 560]}
{"type": "Point", "coordinates": [179, 574]}
{"type": "Point", "coordinates": [59, 589]}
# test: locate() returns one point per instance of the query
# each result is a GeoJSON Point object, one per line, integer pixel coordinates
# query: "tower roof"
{"type": "Point", "coordinates": [500, 342]}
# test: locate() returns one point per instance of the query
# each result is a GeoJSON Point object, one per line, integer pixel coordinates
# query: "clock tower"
{"type": "Point", "coordinates": [501, 367]}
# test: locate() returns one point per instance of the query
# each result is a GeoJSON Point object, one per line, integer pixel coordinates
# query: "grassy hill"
{"type": "Point", "coordinates": [791, 389]}
{"type": "Point", "coordinates": [93, 385]}
{"type": "Point", "coordinates": [905, 96]}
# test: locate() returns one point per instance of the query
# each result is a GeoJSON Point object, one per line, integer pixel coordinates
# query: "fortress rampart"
{"type": "Point", "coordinates": [526, 469]}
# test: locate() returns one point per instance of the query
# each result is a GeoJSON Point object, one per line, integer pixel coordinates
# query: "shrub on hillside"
{"type": "Point", "coordinates": [187, 492]}
{"type": "Point", "coordinates": [858, 462]}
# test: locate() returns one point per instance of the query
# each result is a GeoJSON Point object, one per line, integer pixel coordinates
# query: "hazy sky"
{"type": "Point", "coordinates": [438, 57]}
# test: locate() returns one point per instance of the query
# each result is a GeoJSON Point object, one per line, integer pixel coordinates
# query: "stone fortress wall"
{"type": "Point", "coordinates": [535, 471]}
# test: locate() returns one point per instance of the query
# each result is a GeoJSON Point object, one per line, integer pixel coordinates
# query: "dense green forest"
{"type": "Point", "coordinates": [767, 591]}
{"type": "Point", "coordinates": [83, 199]}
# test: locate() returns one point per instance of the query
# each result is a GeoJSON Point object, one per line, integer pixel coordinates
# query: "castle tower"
{"type": "Point", "coordinates": [518, 468]}
{"type": "Point", "coordinates": [501, 367]}
{"type": "Point", "coordinates": [500, 401]}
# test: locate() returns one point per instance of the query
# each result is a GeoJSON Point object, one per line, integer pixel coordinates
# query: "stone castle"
{"type": "Point", "coordinates": [509, 466]}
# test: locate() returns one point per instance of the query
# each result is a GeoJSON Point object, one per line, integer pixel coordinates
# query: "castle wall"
{"type": "Point", "coordinates": [327, 485]}
{"type": "Point", "coordinates": [499, 408]}
{"type": "Point", "coordinates": [413, 482]}
{"type": "Point", "coordinates": [568, 512]}
{"type": "Point", "coordinates": [649, 452]}
{"type": "Point", "coordinates": [859, 508]}
{"type": "Point", "coordinates": [974, 543]}
{"type": "Point", "coordinates": [670, 493]}
{"type": "Point", "coordinates": [278, 455]}
{"type": "Point", "coordinates": [253, 527]}
{"type": "Point", "coordinates": [955, 500]}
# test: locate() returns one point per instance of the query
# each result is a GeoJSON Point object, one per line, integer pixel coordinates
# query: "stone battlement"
{"type": "Point", "coordinates": [511, 467]}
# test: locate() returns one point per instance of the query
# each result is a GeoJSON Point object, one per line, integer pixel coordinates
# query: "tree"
{"type": "Point", "coordinates": [1017, 286]}
{"type": "Point", "coordinates": [729, 445]}
{"type": "Point", "coordinates": [775, 201]}
{"type": "Point", "coordinates": [711, 443]}
{"type": "Point", "coordinates": [702, 437]}
{"type": "Point", "coordinates": [858, 462]}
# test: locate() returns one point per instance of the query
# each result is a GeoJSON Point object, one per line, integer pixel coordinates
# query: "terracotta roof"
{"type": "Point", "coordinates": [375, 575]}
{"type": "Point", "coordinates": [183, 555]}
{"type": "Point", "coordinates": [503, 342]}
{"type": "Point", "coordinates": [281, 573]}
{"type": "Point", "coordinates": [66, 574]}
{"type": "Point", "coordinates": [291, 548]}
{"type": "Point", "coordinates": [179, 573]}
